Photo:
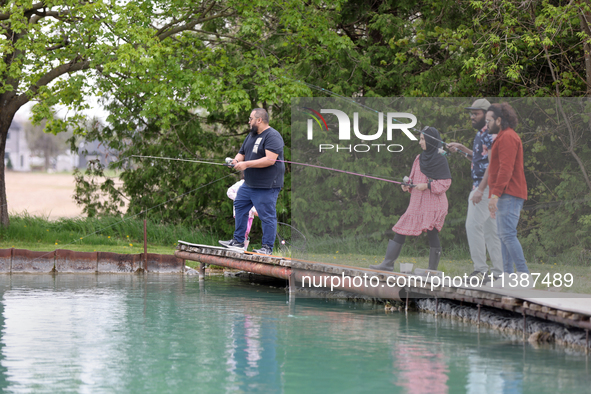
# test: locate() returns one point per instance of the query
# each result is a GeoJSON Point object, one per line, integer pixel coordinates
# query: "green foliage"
{"type": "Point", "coordinates": [534, 49]}
{"type": "Point", "coordinates": [97, 192]}
{"type": "Point", "coordinates": [478, 49]}
{"type": "Point", "coordinates": [105, 231]}
{"type": "Point", "coordinates": [188, 193]}
{"type": "Point", "coordinates": [209, 123]}
{"type": "Point", "coordinates": [152, 63]}
{"type": "Point", "coordinates": [179, 80]}
{"type": "Point", "coordinates": [169, 191]}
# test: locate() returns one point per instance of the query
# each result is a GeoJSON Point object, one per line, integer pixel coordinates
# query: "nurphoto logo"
{"type": "Point", "coordinates": [393, 123]}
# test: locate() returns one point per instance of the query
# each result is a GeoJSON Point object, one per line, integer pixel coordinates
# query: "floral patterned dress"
{"type": "Point", "coordinates": [427, 209]}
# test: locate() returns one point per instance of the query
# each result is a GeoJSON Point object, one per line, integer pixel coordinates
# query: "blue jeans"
{"type": "Point", "coordinates": [509, 208]}
{"type": "Point", "coordinates": [265, 202]}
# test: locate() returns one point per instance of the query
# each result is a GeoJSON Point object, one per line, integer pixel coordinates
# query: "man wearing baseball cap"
{"type": "Point", "coordinates": [480, 227]}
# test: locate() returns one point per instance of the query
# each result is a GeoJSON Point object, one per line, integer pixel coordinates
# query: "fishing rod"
{"type": "Point", "coordinates": [406, 181]}
{"type": "Point", "coordinates": [468, 156]}
{"type": "Point", "coordinates": [226, 163]}
{"type": "Point", "coordinates": [348, 172]}
{"type": "Point", "coordinates": [440, 150]}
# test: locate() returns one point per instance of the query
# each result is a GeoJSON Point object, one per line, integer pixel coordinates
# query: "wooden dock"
{"type": "Point", "coordinates": [569, 309]}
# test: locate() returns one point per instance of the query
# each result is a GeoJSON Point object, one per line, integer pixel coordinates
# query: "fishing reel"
{"type": "Point", "coordinates": [407, 182]}
{"type": "Point", "coordinates": [228, 162]}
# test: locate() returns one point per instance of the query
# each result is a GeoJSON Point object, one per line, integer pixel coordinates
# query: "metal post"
{"type": "Point", "coordinates": [587, 341]}
{"type": "Point", "coordinates": [145, 246]}
{"type": "Point", "coordinates": [201, 271]}
{"type": "Point", "coordinates": [524, 322]}
{"type": "Point", "coordinates": [291, 300]}
{"type": "Point", "coordinates": [406, 308]}
{"type": "Point", "coordinates": [436, 306]}
{"type": "Point", "coordinates": [292, 284]}
{"type": "Point", "coordinates": [478, 324]}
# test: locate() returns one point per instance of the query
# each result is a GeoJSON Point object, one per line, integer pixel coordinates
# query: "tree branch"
{"type": "Point", "coordinates": [174, 20]}
{"type": "Point", "coordinates": [50, 76]}
{"type": "Point", "coordinates": [233, 38]}
{"type": "Point", "coordinates": [33, 8]}
{"type": "Point", "coordinates": [191, 25]}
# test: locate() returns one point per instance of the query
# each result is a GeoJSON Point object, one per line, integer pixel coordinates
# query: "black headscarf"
{"type": "Point", "coordinates": [433, 164]}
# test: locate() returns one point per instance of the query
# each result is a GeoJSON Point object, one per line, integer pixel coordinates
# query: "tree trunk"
{"type": "Point", "coordinates": [6, 116]}
{"type": "Point", "coordinates": [585, 19]}
{"type": "Point", "coordinates": [47, 157]}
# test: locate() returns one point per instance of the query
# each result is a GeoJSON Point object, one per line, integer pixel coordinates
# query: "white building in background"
{"type": "Point", "coordinates": [66, 162]}
{"type": "Point", "coordinates": [22, 159]}
{"type": "Point", "coordinates": [17, 149]}
{"type": "Point", "coordinates": [94, 150]}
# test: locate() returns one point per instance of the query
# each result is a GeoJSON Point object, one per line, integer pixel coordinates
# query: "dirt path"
{"type": "Point", "coordinates": [40, 194]}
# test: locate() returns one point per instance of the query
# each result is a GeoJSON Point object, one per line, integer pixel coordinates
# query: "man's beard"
{"type": "Point", "coordinates": [480, 124]}
{"type": "Point", "coordinates": [493, 128]}
{"type": "Point", "coordinates": [254, 130]}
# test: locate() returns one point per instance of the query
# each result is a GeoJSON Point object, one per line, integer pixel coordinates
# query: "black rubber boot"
{"type": "Point", "coordinates": [434, 256]}
{"type": "Point", "coordinates": [392, 254]}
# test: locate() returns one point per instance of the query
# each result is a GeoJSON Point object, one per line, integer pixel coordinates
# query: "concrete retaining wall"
{"type": "Point", "coordinates": [68, 261]}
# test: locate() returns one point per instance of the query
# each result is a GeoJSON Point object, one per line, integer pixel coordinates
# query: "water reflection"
{"type": "Point", "coordinates": [251, 358]}
{"type": "Point", "coordinates": [420, 368]}
{"type": "Point", "coordinates": [102, 333]}
{"type": "Point", "coordinates": [50, 331]}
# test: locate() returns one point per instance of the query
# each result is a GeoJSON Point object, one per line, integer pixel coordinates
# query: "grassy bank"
{"type": "Point", "coordinates": [93, 234]}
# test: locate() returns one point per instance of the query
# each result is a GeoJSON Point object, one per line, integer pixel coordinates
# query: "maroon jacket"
{"type": "Point", "coordinates": [505, 171]}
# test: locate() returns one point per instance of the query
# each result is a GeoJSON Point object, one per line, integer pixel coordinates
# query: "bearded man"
{"type": "Point", "coordinates": [481, 229]}
{"type": "Point", "coordinates": [261, 159]}
{"type": "Point", "coordinates": [508, 187]}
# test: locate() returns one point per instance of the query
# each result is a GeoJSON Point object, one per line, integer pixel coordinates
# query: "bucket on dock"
{"type": "Point", "coordinates": [406, 268]}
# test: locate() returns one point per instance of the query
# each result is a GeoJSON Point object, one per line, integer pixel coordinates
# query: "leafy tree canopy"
{"type": "Point", "coordinates": [166, 55]}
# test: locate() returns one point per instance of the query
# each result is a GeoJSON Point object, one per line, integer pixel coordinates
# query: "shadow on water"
{"type": "Point", "coordinates": [130, 333]}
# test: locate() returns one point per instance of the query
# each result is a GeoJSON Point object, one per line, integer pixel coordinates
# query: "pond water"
{"type": "Point", "coordinates": [129, 333]}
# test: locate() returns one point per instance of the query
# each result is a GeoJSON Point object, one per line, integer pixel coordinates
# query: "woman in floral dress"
{"type": "Point", "coordinates": [427, 209]}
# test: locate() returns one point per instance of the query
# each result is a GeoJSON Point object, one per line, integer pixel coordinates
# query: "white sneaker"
{"type": "Point", "coordinates": [233, 245]}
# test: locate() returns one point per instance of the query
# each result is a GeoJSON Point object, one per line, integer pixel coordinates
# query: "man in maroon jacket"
{"type": "Point", "coordinates": [508, 189]}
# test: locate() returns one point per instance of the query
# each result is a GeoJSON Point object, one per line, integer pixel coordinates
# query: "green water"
{"type": "Point", "coordinates": [128, 333]}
